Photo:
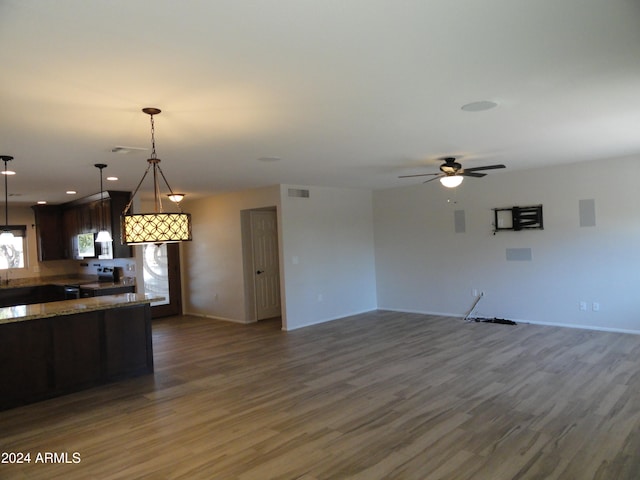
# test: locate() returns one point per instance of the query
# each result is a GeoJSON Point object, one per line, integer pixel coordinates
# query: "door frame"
{"type": "Point", "coordinates": [251, 311]}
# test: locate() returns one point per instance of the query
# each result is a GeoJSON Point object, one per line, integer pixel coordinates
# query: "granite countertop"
{"type": "Point", "coordinates": [68, 280]}
{"type": "Point", "coordinates": [52, 280]}
{"type": "Point", "coordinates": [20, 313]}
{"type": "Point", "coordinates": [88, 281]}
{"type": "Point", "coordinates": [103, 285]}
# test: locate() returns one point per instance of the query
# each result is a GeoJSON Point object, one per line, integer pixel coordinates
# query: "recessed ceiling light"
{"type": "Point", "coordinates": [42, 202]}
{"type": "Point", "coordinates": [112, 179]}
{"type": "Point", "coordinates": [71, 192]}
{"type": "Point", "coordinates": [480, 106]}
{"type": "Point", "coordinates": [269, 159]}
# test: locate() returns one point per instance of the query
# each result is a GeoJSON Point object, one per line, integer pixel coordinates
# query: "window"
{"type": "Point", "coordinates": [12, 255]}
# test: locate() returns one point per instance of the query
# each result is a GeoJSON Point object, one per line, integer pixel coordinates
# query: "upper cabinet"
{"type": "Point", "coordinates": [58, 226]}
{"type": "Point", "coordinates": [50, 236]}
{"type": "Point", "coordinates": [118, 200]}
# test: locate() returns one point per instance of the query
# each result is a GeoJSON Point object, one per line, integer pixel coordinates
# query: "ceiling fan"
{"type": "Point", "coordinates": [452, 172]}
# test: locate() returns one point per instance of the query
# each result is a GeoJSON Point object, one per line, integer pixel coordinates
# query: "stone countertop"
{"type": "Point", "coordinates": [20, 313]}
{"type": "Point", "coordinates": [88, 281]}
{"type": "Point", "coordinates": [105, 285]}
{"type": "Point", "coordinates": [62, 281]}
{"type": "Point", "coordinates": [53, 280]}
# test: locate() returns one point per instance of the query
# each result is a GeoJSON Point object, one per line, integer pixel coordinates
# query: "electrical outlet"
{"type": "Point", "coordinates": [474, 292]}
{"type": "Point", "coordinates": [583, 306]}
{"type": "Point", "coordinates": [595, 306]}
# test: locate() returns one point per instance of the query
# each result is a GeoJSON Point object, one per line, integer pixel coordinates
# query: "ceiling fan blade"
{"type": "Point", "coordinates": [486, 167]}
{"type": "Point", "coordinates": [465, 173]}
{"type": "Point", "coordinates": [434, 178]}
{"type": "Point", "coordinates": [418, 175]}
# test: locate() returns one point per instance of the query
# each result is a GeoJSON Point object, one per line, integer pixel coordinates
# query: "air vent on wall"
{"type": "Point", "coordinates": [299, 192]}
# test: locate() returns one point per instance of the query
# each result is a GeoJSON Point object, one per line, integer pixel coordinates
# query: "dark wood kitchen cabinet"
{"type": "Point", "coordinates": [44, 358]}
{"type": "Point", "coordinates": [128, 348]}
{"type": "Point", "coordinates": [75, 351]}
{"type": "Point", "coordinates": [25, 360]}
{"type": "Point", "coordinates": [57, 226]}
{"type": "Point", "coordinates": [49, 232]}
{"type": "Point", "coordinates": [70, 228]}
{"type": "Point", "coordinates": [117, 204]}
{"type": "Point", "coordinates": [86, 292]}
{"type": "Point", "coordinates": [28, 295]}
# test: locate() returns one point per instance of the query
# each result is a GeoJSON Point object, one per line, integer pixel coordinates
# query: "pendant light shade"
{"type": "Point", "coordinates": [6, 237]}
{"type": "Point", "coordinates": [159, 226]}
{"type": "Point", "coordinates": [103, 235]}
{"type": "Point", "coordinates": [451, 181]}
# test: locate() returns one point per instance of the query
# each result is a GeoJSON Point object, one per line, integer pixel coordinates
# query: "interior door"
{"type": "Point", "coordinates": [161, 277]}
{"type": "Point", "coordinates": [266, 266]}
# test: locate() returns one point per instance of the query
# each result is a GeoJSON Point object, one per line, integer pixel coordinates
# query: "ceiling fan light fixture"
{"type": "Point", "coordinates": [159, 226]}
{"type": "Point", "coordinates": [451, 181]}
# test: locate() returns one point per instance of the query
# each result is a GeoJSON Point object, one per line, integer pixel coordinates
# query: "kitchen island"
{"type": "Point", "coordinates": [55, 348]}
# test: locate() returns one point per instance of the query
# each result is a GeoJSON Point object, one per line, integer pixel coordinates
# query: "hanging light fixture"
{"type": "Point", "coordinates": [176, 197]}
{"type": "Point", "coordinates": [159, 226]}
{"type": "Point", "coordinates": [6, 237]}
{"type": "Point", "coordinates": [103, 235]}
{"type": "Point", "coordinates": [451, 181]}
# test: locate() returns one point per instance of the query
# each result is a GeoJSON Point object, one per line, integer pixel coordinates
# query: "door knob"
{"type": "Point", "coordinates": [259, 272]}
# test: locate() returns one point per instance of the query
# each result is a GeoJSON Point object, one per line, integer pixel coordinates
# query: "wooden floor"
{"type": "Point", "coordinates": [377, 396]}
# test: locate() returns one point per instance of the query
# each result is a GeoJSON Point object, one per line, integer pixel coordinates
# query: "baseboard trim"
{"type": "Point", "coordinates": [325, 320]}
{"type": "Point", "coordinates": [213, 317]}
{"type": "Point", "coordinates": [582, 327]}
{"type": "Point", "coordinates": [532, 322]}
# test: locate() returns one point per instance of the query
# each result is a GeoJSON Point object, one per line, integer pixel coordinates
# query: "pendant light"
{"type": "Point", "coordinates": [176, 197]}
{"type": "Point", "coordinates": [103, 235]}
{"type": "Point", "coordinates": [6, 237]}
{"type": "Point", "coordinates": [159, 226]}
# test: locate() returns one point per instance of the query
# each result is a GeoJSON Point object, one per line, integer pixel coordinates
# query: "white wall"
{"type": "Point", "coordinates": [212, 266]}
{"type": "Point", "coordinates": [327, 254]}
{"type": "Point", "coordinates": [423, 266]}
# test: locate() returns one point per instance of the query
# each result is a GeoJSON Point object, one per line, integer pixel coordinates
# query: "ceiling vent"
{"type": "Point", "coordinates": [299, 192]}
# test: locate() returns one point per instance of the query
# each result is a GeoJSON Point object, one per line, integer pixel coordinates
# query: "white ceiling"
{"type": "Point", "coordinates": [346, 93]}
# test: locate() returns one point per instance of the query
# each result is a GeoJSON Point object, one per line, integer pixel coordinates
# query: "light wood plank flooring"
{"type": "Point", "coordinates": [382, 395]}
